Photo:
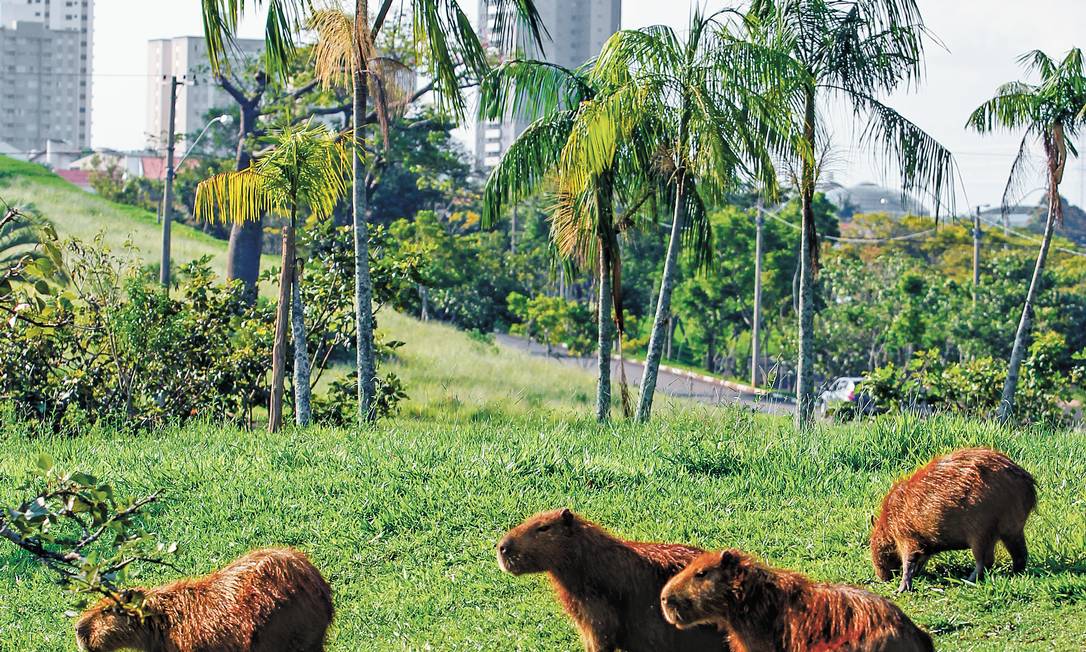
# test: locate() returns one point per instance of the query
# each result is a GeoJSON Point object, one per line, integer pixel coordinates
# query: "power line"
{"type": "Point", "coordinates": [919, 234]}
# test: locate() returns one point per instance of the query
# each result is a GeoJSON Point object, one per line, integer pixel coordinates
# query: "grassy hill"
{"type": "Point", "coordinates": [83, 215]}
{"type": "Point", "coordinates": [403, 518]}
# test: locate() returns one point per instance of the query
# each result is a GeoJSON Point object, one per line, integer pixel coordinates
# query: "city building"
{"type": "Point", "coordinates": [578, 29]}
{"type": "Point", "coordinates": [45, 73]}
{"type": "Point", "coordinates": [185, 57]}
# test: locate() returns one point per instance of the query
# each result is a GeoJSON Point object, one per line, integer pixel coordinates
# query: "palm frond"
{"type": "Point", "coordinates": [529, 89]}
{"type": "Point", "coordinates": [232, 197]}
{"type": "Point", "coordinates": [334, 50]}
{"type": "Point", "coordinates": [1023, 172]}
{"type": "Point", "coordinates": [285, 18]}
{"type": "Point", "coordinates": [923, 163]}
{"type": "Point", "coordinates": [1013, 106]}
{"type": "Point", "coordinates": [525, 165]}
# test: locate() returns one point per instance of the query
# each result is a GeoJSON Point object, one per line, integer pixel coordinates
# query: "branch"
{"type": "Point", "coordinates": [232, 90]}
{"type": "Point", "coordinates": [124, 513]}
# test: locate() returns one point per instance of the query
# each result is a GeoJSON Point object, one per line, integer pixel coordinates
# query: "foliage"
{"type": "Point", "coordinates": [98, 363]}
{"type": "Point", "coordinates": [973, 387]}
{"type": "Point", "coordinates": [80, 529]}
{"type": "Point", "coordinates": [306, 166]}
{"type": "Point", "coordinates": [554, 321]}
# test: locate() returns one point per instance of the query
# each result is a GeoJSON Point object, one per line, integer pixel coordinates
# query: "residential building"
{"type": "Point", "coordinates": [45, 73]}
{"type": "Point", "coordinates": [185, 58]}
{"type": "Point", "coordinates": [578, 29]}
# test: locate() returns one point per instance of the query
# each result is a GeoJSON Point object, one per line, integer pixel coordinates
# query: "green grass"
{"type": "Point", "coordinates": [403, 519]}
{"type": "Point", "coordinates": [83, 215]}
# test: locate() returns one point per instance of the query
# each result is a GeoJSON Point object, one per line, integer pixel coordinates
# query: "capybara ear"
{"type": "Point", "coordinates": [872, 520]}
{"type": "Point", "coordinates": [567, 516]}
{"type": "Point", "coordinates": [729, 559]}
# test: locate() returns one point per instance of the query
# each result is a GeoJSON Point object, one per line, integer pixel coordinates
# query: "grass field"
{"type": "Point", "coordinates": [79, 214]}
{"type": "Point", "coordinates": [403, 519]}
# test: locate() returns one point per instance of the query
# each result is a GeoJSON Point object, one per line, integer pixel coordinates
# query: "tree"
{"type": "Point", "coordinates": [584, 226]}
{"type": "Point", "coordinates": [850, 50]}
{"type": "Point", "coordinates": [701, 102]}
{"type": "Point", "coordinates": [306, 166]}
{"type": "Point", "coordinates": [441, 30]}
{"type": "Point", "coordinates": [1052, 111]}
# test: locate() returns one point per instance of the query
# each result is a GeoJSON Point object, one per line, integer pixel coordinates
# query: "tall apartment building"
{"type": "Point", "coordinates": [186, 58]}
{"type": "Point", "coordinates": [578, 29]}
{"type": "Point", "coordinates": [45, 73]}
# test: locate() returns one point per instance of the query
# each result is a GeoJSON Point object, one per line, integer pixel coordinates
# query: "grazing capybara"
{"type": "Point", "coordinates": [967, 500]}
{"type": "Point", "coordinates": [768, 610]}
{"type": "Point", "coordinates": [608, 586]}
{"type": "Point", "coordinates": [271, 600]}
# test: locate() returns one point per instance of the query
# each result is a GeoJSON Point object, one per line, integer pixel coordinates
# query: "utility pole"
{"type": "Point", "coordinates": [167, 195]}
{"type": "Point", "coordinates": [976, 252]}
{"type": "Point", "coordinates": [755, 335]}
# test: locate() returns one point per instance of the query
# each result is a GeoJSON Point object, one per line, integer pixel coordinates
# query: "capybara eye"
{"type": "Point", "coordinates": [543, 528]}
{"type": "Point", "coordinates": [700, 573]}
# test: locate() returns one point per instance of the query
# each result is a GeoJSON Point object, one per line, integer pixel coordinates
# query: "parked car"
{"type": "Point", "coordinates": [841, 392]}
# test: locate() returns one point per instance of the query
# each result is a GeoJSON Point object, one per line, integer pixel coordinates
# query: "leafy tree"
{"type": "Point", "coordinates": [346, 50]}
{"type": "Point", "coordinates": [852, 50]}
{"type": "Point", "coordinates": [701, 102]}
{"type": "Point", "coordinates": [1053, 112]}
{"type": "Point", "coordinates": [305, 167]}
{"type": "Point", "coordinates": [584, 226]}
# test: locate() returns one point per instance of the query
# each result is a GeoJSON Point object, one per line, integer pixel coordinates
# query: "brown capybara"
{"type": "Point", "coordinates": [768, 610]}
{"type": "Point", "coordinates": [967, 500]}
{"type": "Point", "coordinates": [608, 586]}
{"type": "Point", "coordinates": [271, 600]}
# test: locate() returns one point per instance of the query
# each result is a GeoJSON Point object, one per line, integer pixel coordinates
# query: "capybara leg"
{"type": "Point", "coordinates": [910, 565]}
{"type": "Point", "coordinates": [599, 628]}
{"type": "Point", "coordinates": [1016, 545]}
{"type": "Point", "coordinates": [984, 554]}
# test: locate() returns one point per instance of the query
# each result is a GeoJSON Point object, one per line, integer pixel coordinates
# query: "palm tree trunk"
{"type": "Point", "coordinates": [603, 386]}
{"type": "Point", "coordinates": [363, 290]}
{"type": "Point", "coordinates": [1018, 353]}
{"type": "Point", "coordinates": [279, 349]}
{"type": "Point", "coordinates": [302, 385]}
{"type": "Point", "coordinates": [805, 366]}
{"type": "Point", "coordinates": [663, 306]}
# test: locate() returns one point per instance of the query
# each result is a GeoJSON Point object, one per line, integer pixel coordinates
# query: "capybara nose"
{"type": "Point", "coordinates": [503, 548]}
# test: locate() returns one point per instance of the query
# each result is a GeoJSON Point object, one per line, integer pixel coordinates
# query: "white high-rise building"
{"type": "Point", "coordinates": [45, 73]}
{"type": "Point", "coordinates": [578, 29]}
{"type": "Point", "coordinates": [185, 57]}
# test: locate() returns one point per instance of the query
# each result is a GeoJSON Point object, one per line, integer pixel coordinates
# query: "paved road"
{"type": "Point", "coordinates": [713, 393]}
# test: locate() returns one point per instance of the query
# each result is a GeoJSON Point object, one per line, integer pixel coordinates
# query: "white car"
{"type": "Point", "coordinates": [843, 390]}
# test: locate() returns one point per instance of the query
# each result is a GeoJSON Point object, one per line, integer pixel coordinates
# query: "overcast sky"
{"type": "Point", "coordinates": [982, 40]}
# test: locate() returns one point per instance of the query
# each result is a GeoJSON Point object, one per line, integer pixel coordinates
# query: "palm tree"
{"type": "Point", "coordinates": [1052, 111]}
{"type": "Point", "coordinates": [850, 50]}
{"type": "Point", "coordinates": [584, 227]}
{"type": "Point", "coordinates": [450, 47]}
{"type": "Point", "coordinates": [704, 100]}
{"type": "Point", "coordinates": [305, 166]}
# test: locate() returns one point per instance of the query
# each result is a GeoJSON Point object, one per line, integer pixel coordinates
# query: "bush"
{"type": "Point", "coordinates": [554, 321]}
{"type": "Point", "coordinates": [975, 387]}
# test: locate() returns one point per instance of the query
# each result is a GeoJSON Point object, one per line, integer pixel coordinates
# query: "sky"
{"type": "Point", "coordinates": [980, 43]}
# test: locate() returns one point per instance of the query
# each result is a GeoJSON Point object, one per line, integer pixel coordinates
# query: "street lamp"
{"type": "Point", "coordinates": [225, 119]}
{"type": "Point", "coordinates": [167, 194]}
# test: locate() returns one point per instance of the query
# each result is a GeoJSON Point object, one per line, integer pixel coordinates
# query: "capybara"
{"type": "Point", "coordinates": [967, 500]}
{"type": "Point", "coordinates": [768, 610]}
{"type": "Point", "coordinates": [271, 600]}
{"type": "Point", "coordinates": [608, 586]}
